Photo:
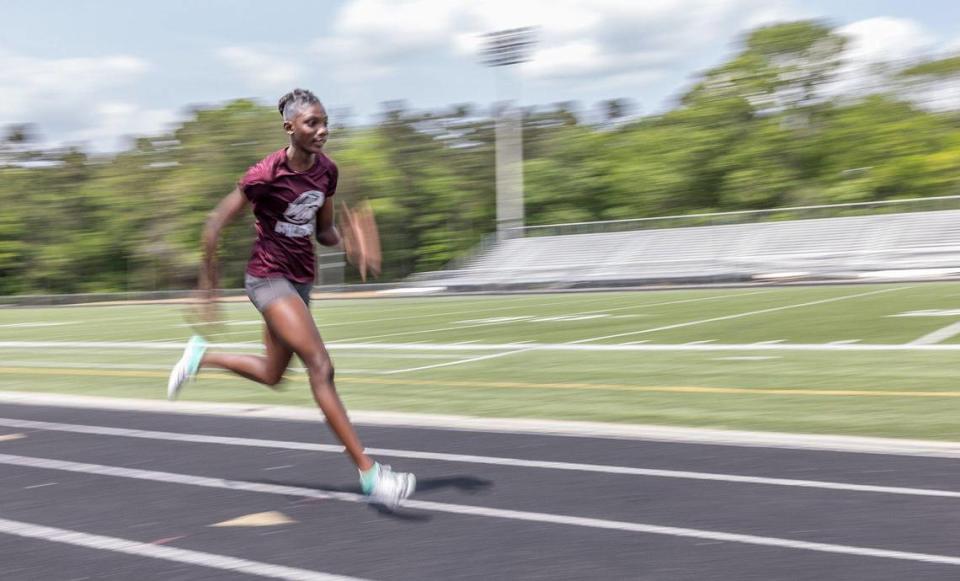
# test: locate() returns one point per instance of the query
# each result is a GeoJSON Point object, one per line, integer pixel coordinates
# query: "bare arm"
{"type": "Point", "coordinates": [327, 233]}
{"type": "Point", "coordinates": [226, 210]}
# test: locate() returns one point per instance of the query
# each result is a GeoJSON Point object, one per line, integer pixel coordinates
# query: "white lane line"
{"type": "Point", "coordinates": [44, 485]}
{"type": "Point", "coordinates": [471, 459]}
{"type": "Point", "coordinates": [68, 346]}
{"type": "Point", "coordinates": [166, 553]}
{"type": "Point", "coordinates": [33, 325]}
{"type": "Point", "coordinates": [134, 366]}
{"type": "Point", "coordinates": [463, 509]}
{"type": "Point", "coordinates": [460, 362]}
{"type": "Point", "coordinates": [539, 428]}
{"type": "Point", "coordinates": [144, 345]}
{"type": "Point", "coordinates": [81, 365]}
{"type": "Point", "coordinates": [938, 335]}
{"type": "Point", "coordinates": [844, 342]}
{"type": "Point", "coordinates": [741, 315]}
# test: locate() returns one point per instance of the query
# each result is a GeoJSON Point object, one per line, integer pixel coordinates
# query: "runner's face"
{"type": "Point", "coordinates": [308, 130]}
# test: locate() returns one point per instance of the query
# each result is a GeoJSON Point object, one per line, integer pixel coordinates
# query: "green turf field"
{"type": "Point", "coordinates": [860, 359]}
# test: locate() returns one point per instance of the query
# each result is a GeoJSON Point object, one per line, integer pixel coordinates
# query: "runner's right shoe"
{"type": "Point", "coordinates": [387, 487]}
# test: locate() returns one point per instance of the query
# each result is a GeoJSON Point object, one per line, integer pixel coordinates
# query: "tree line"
{"type": "Point", "coordinates": [772, 126]}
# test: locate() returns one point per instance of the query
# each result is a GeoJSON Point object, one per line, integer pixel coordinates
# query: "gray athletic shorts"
{"type": "Point", "coordinates": [263, 291]}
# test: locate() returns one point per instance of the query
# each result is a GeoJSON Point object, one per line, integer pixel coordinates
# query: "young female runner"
{"type": "Point", "coordinates": [291, 194]}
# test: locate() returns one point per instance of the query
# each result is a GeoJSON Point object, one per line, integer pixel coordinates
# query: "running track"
{"type": "Point", "coordinates": [97, 494]}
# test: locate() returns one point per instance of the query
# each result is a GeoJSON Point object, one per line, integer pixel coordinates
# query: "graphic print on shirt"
{"type": "Point", "coordinates": [300, 215]}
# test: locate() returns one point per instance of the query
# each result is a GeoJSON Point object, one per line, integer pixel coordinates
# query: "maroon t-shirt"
{"type": "Point", "coordinates": [285, 203]}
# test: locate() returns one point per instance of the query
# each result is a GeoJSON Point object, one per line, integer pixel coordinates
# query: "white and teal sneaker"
{"type": "Point", "coordinates": [187, 367]}
{"type": "Point", "coordinates": [386, 487]}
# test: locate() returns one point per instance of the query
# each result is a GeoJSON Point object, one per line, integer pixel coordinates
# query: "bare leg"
{"type": "Point", "coordinates": [266, 369]}
{"type": "Point", "coordinates": [290, 323]}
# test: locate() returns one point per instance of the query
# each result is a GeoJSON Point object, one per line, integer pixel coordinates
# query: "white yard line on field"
{"type": "Point", "coordinates": [459, 362]}
{"type": "Point", "coordinates": [740, 315]}
{"type": "Point", "coordinates": [938, 335]}
{"type": "Point", "coordinates": [512, 321]}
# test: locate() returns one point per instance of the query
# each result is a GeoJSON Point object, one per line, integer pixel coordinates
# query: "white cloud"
{"type": "Point", "coordinates": [30, 85]}
{"type": "Point", "coordinates": [884, 39]}
{"type": "Point", "coordinates": [587, 39]}
{"type": "Point", "coordinates": [261, 69]}
{"type": "Point", "coordinates": [74, 100]}
{"type": "Point", "coordinates": [112, 123]}
{"type": "Point", "coordinates": [875, 47]}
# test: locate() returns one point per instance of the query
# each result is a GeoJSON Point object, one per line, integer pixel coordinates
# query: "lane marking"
{"type": "Point", "coordinates": [32, 325]}
{"type": "Point", "coordinates": [106, 370]}
{"type": "Point", "coordinates": [44, 485]}
{"type": "Point", "coordinates": [470, 459]}
{"type": "Point", "coordinates": [637, 346]}
{"type": "Point", "coordinates": [186, 556]}
{"type": "Point", "coordinates": [260, 519]}
{"type": "Point", "coordinates": [463, 509]}
{"type": "Point", "coordinates": [741, 315]}
{"type": "Point", "coordinates": [518, 426]}
{"type": "Point", "coordinates": [11, 437]}
{"type": "Point", "coordinates": [938, 335]}
{"type": "Point", "coordinates": [930, 313]}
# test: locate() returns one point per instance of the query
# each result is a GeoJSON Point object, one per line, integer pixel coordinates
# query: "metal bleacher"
{"type": "Point", "coordinates": [845, 246]}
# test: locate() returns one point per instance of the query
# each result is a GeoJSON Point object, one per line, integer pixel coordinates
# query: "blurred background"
{"type": "Point", "coordinates": [123, 125]}
{"type": "Point", "coordinates": [766, 192]}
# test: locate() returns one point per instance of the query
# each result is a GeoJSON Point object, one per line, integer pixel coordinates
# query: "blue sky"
{"type": "Point", "coordinates": [94, 71]}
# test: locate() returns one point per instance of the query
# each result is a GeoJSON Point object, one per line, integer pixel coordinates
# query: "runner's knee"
{"type": "Point", "coordinates": [273, 377]}
{"type": "Point", "coordinates": [320, 366]}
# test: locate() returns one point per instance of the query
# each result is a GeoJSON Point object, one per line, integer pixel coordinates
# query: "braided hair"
{"type": "Point", "coordinates": [296, 101]}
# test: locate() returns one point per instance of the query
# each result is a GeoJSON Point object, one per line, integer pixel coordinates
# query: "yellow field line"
{"type": "Point", "coordinates": [517, 385]}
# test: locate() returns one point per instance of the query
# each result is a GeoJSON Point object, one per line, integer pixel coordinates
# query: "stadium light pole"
{"type": "Point", "coordinates": [502, 49]}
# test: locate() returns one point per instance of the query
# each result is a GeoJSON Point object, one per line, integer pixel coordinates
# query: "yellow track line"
{"type": "Point", "coordinates": [518, 385]}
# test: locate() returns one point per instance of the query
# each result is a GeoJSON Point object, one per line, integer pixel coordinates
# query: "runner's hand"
{"type": "Point", "coordinates": [205, 316]}
{"type": "Point", "coordinates": [361, 240]}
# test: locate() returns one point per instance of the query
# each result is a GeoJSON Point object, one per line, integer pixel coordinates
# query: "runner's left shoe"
{"type": "Point", "coordinates": [187, 367]}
